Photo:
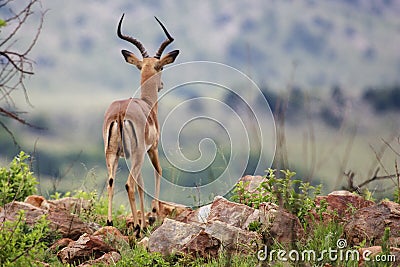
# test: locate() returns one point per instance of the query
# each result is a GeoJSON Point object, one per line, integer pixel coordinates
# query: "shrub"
{"type": "Point", "coordinates": [17, 182]}
{"type": "Point", "coordinates": [21, 244]}
{"type": "Point", "coordinates": [294, 195]}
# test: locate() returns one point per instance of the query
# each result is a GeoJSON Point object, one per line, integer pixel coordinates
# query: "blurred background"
{"type": "Point", "coordinates": [330, 71]}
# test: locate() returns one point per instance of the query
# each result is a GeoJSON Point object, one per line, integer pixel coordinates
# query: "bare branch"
{"type": "Point", "coordinates": [6, 55]}
{"type": "Point", "coordinates": [15, 64]}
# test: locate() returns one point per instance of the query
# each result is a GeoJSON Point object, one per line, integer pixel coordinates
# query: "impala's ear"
{"type": "Point", "coordinates": [169, 58]}
{"type": "Point", "coordinates": [132, 59]}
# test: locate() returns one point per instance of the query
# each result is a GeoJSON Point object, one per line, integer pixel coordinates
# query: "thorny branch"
{"type": "Point", "coordinates": [15, 64]}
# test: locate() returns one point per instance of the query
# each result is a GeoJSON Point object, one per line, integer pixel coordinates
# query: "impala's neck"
{"type": "Point", "coordinates": [149, 88]}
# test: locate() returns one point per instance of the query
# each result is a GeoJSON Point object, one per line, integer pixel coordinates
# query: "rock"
{"type": "Point", "coordinates": [233, 239]}
{"type": "Point", "coordinates": [171, 236]}
{"type": "Point", "coordinates": [172, 210]}
{"type": "Point", "coordinates": [85, 248]}
{"type": "Point", "coordinates": [232, 213]}
{"type": "Point", "coordinates": [109, 258]}
{"type": "Point", "coordinates": [37, 201]}
{"type": "Point", "coordinates": [198, 216]}
{"type": "Point", "coordinates": [285, 228]}
{"type": "Point", "coordinates": [67, 224]}
{"type": "Point", "coordinates": [71, 204]}
{"type": "Point", "coordinates": [341, 205]}
{"type": "Point", "coordinates": [202, 245]}
{"type": "Point", "coordinates": [224, 225]}
{"type": "Point", "coordinates": [11, 210]}
{"type": "Point", "coordinates": [60, 244]}
{"type": "Point", "coordinates": [369, 224]}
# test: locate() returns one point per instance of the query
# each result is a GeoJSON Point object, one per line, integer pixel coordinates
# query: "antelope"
{"type": "Point", "coordinates": [130, 127]}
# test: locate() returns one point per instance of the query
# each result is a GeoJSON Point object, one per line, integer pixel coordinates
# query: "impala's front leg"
{"type": "Point", "coordinates": [112, 164]}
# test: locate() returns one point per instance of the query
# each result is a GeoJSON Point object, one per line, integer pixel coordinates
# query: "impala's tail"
{"type": "Point", "coordinates": [129, 137]}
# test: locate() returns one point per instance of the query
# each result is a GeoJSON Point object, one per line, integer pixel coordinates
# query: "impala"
{"type": "Point", "coordinates": [131, 128]}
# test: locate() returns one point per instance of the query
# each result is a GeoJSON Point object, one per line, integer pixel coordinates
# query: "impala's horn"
{"type": "Point", "coordinates": [165, 43]}
{"type": "Point", "coordinates": [132, 40]}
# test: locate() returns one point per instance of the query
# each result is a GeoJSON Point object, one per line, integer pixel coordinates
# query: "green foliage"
{"type": "Point", "coordinates": [3, 23]}
{"type": "Point", "coordinates": [17, 182]}
{"type": "Point", "coordinates": [20, 244]}
{"type": "Point", "coordinates": [321, 239]}
{"type": "Point", "coordinates": [294, 195]}
{"type": "Point", "coordinates": [385, 241]}
{"type": "Point", "coordinates": [396, 195]}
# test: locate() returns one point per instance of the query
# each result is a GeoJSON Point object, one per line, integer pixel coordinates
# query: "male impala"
{"type": "Point", "coordinates": [131, 129]}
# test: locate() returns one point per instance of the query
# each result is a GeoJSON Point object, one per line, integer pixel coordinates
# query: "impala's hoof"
{"type": "Point", "coordinates": [152, 220]}
{"type": "Point", "coordinates": [137, 231]}
{"type": "Point", "coordinates": [109, 223]}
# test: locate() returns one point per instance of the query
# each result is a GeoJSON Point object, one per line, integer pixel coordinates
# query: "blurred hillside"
{"type": "Point", "coordinates": [325, 57]}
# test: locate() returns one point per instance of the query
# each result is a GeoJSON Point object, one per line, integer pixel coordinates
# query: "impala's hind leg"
{"type": "Point", "coordinates": [135, 179]}
{"type": "Point", "coordinates": [153, 154]}
{"type": "Point", "coordinates": [112, 165]}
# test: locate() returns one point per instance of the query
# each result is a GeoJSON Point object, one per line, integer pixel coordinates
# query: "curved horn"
{"type": "Point", "coordinates": [131, 39]}
{"type": "Point", "coordinates": [165, 43]}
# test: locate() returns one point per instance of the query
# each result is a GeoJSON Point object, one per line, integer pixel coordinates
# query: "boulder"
{"type": "Point", "coordinates": [233, 239]}
{"type": "Point", "coordinates": [369, 224]}
{"type": "Point", "coordinates": [37, 201]}
{"type": "Point", "coordinates": [172, 210]}
{"type": "Point", "coordinates": [85, 248]}
{"type": "Point", "coordinates": [276, 224]}
{"type": "Point", "coordinates": [224, 225]}
{"type": "Point", "coordinates": [231, 213]}
{"type": "Point", "coordinates": [341, 205]}
{"type": "Point", "coordinates": [198, 216]}
{"type": "Point", "coordinates": [71, 204]}
{"type": "Point", "coordinates": [67, 224]}
{"type": "Point", "coordinates": [202, 245]}
{"type": "Point", "coordinates": [172, 236]}
{"type": "Point", "coordinates": [60, 244]}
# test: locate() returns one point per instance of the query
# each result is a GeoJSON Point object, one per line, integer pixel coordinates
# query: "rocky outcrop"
{"type": "Point", "coordinates": [84, 249]}
{"type": "Point", "coordinates": [224, 226]}
{"type": "Point", "coordinates": [61, 220]}
{"type": "Point", "coordinates": [340, 205]}
{"type": "Point", "coordinates": [369, 224]}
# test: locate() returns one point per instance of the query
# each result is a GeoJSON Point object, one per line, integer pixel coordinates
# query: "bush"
{"type": "Point", "coordinates": [21, 244]}
{"type": "Point", "coordinates": [294, 195]}
{"type": "Point", "coordinates": [17, 182]}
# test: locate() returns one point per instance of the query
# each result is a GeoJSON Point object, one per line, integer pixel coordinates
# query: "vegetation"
{"type": "Point", "coordinates": [20, 244]}
{"type": "Point", "coordinates": [24, 245]}
{"type": "Point", "coordinates": [296, 196]}
{"type": "Point", "coordinates": [17, 182]}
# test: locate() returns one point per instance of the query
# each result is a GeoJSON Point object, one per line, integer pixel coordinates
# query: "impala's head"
{"type": "Point", "coordinates": [148, 66]}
